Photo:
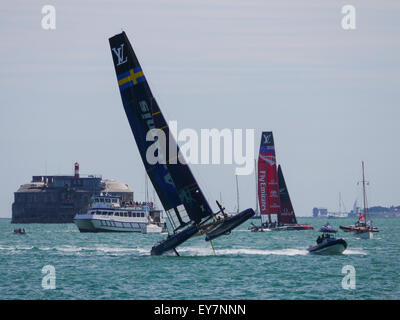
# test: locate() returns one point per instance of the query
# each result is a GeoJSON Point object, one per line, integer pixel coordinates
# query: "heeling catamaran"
{"type": "Point", "coordinates": [184, 203]}
{"type": "Point", "coordinates": [273, 194]}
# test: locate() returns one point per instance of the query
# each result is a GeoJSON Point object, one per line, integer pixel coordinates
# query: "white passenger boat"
{"type": "Point", "coordinates": [107, 214]}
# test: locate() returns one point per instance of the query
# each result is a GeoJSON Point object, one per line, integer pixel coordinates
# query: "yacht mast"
{"type": "Point", "coordinates": [237, 193]}
{"type": "Point", "coordinates": [146, 192]}
{"type": "Point", "coordinates": [255, 177]}
{"type": "Point", "coordinates": [364, 195]}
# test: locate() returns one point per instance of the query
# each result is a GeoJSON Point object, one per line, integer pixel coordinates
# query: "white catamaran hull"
{"type": "Point", "coordinates": [260, 229]}
{"type": "Point", "coordinates": [364, 235]}
{"type": "Point", "coordinates": [153, 228]}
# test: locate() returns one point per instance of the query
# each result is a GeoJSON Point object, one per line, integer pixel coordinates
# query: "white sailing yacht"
{"type": "Point", "coordinates": [364, 228]}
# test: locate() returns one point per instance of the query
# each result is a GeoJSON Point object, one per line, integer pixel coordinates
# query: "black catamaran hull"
{"type": "Point", "coordinates": [296, 227]}
{"type": "Point", "coordinates": [173, 241]}
{"type": "Point", "coordinates": [230, 223]}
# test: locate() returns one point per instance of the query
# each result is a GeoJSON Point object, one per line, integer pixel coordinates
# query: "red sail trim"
{"type": "Point", "coordinates": [273, 186]}
{"type": "Point", "coordinates": [287, 215]}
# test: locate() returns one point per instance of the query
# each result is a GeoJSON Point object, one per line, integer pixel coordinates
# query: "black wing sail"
{"type": "Point", "coordinates": [175, 185]}
{"type": "Point", "coordinates": [287, 216]}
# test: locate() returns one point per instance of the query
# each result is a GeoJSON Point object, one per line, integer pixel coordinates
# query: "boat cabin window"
{"type": "Point", "coordinates": [116, 214]}
{"type": "Point", "coordinates": [142, 214]}
{"type": "Point", "coordinates": [129, 214]}
{"type": "Point", "coordinates": [110, 213]}
{"type": "Point", "coordinates": [108, 200]}
{"type": "Point", "coordinates": [125, 214]}
{"type": "Point", "coordinates": [96, 199]}
{"type": "Point", "coordinates": [134, 214]}
{"type": "Point", "coordinates": [101, 200]}
{"type": "Point", "coordinates": [114, 200]}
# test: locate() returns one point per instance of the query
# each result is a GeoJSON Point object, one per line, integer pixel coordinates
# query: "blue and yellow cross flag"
{"type": "Point", "coordinates": [130, 78]}
{"type": "Point", "coordinates": [129, 72]}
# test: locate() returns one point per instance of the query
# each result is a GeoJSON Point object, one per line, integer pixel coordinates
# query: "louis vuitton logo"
{"type": "Point", "coordinates": [120, 54]}
{"type": "Point", "coordinates": [267, 138]}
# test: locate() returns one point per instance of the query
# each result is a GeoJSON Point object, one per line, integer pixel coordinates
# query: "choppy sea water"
{"type": "Point", "coordinates": [268, 265]}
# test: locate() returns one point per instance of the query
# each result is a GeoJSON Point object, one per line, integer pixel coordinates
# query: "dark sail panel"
{"type": "Point", "coordinates": [131, 84]}
{"type": "Point", "coordinates": [287, 215]}
{"type": "Point", "coordinates": [189, 191]}
{"type": "Point", "coordinates": [174, 183]}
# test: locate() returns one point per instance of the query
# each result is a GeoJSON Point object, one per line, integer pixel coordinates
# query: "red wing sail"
{"type": "Point", "coordinates": [287, 215]}
{"type": "Point", "coordinates": [268, 188]}
{"type": "Point", "coordinates": [262, 186]}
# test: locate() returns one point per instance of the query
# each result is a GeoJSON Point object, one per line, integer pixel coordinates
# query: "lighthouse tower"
{"type": "Point", "coordinates": [76, 170]}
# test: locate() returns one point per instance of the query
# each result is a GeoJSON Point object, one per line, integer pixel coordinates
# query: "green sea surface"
{"type": "Point", "coordinates": [247, 265]}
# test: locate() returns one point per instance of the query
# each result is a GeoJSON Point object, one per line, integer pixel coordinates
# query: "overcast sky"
{"type": "Point", "coordinates": [330, 96]}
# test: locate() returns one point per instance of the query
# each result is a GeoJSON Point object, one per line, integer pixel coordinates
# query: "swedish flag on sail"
{"type": "Point", "coordinates": [130, 78]}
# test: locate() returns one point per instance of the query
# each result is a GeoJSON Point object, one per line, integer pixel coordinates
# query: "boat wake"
{"type": "Point", "coordinates": [105, 250]}
{"type": "Point", "coordinates": [80, 250]}
{"type": "Point", "coordinates": [202, 251]}
{"type": "Point", "coordinates": [184, 251]}
{"type": "Point", "coordinates": [354, 251]}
